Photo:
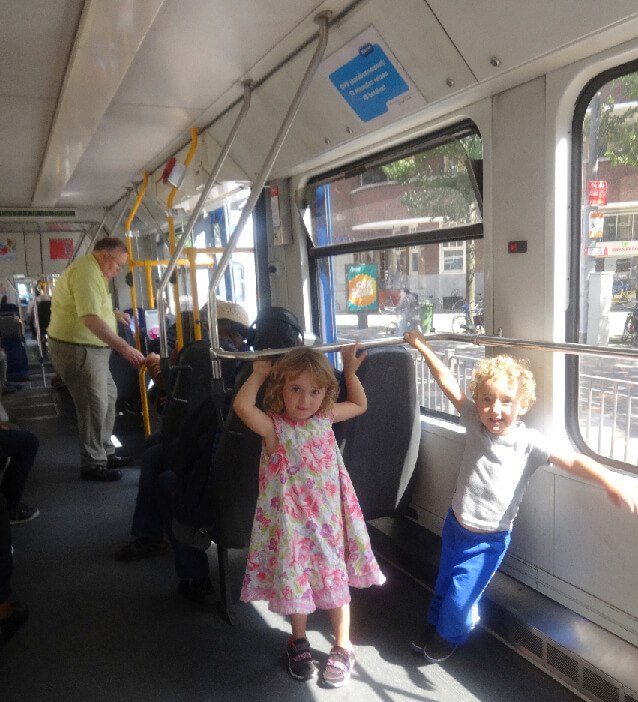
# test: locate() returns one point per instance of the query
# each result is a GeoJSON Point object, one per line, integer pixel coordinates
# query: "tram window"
{"type": "Point", "coordinates": [604, 391]}
{"type": "Point", "coordinates": [398, 244]}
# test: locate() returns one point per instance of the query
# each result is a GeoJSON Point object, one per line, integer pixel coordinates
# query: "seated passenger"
{"type": "Point", "coordinates": [12, 614]}
{"type": "Point", "coordinates": [20, 447]}
{"type": "Point", "coordinates": [153, 509]}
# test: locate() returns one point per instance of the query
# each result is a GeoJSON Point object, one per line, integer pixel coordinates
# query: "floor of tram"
{"type": "Point", "coordinates": [100, 629]}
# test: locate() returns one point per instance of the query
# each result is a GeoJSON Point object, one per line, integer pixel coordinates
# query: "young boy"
{"type": "Point", "coordinates": [500, 456]}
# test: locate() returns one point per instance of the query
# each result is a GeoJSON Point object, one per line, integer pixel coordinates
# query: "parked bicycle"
{"type": "Point", "coordinates": [468, 321]}
{"type": "Point", "coordinates": [630, 332]}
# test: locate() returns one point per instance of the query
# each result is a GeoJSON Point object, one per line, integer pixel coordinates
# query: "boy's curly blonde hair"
{"type": "Point", "coordinates": [516, 371]}
{"type": "Point", "coordinates": [293, 364]}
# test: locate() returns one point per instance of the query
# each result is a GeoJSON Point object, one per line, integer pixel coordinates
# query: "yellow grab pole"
{"type": "Point", "coordinates": [191, 254]}
{"type": "Point", "coordinates": [129, 246]}
{"type": "Point", "coordinates": [172, 242]}
{"type": "Point", "coordinates": [149, 285]}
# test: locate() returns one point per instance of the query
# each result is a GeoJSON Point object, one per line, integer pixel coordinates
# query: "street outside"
{"type": "Point", "coordinates": [607, 384]}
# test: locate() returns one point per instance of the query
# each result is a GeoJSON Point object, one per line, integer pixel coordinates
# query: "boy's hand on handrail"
{"type": "Point", "coordinates": [415, 339]}
{"type": "Point", "coordinates": [352, 361]}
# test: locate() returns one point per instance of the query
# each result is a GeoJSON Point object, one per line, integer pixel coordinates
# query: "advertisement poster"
{"type": "Point", "coordinates": [596, 225]}
{"type": "Point", "coordinates": [361, 282]}
{"type": "Point", "coordinates": [60, 248]}
{"type": "Point", "coordinates": [371, 81]}
{"type": "Point", "coordinates": [7, 249]}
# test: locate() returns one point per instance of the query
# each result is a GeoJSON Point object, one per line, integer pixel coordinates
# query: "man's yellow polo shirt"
{"type": "Point", "coordinates": [82, 289]}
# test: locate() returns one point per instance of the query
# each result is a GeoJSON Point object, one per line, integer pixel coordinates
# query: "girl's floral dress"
{"type": "Point", "coordinates": [309, 540]}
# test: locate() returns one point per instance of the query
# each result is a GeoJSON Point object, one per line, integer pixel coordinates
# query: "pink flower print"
{"type": "Point", "coordinates": [309, 484]}
{"type": "Point", "coordinates": [302, 581]}
{"type": "Point", "coordinates": [275, 503]}
{"type": "Point", "coordinates": [331, 488]}
{"type": "Point", "coordinates": [326, 531]}
{"type": "Point", "coordinates": [311, 525]}
{"type": "Point", "coordinates": [286, 592]}
{"type": "Point", "coordinates": [301, 503]}
{"type": "Point", "coordinates": [272, 545]}
{"type": "Point", "coordinates": [277, 463]}
{"type": "Point", "coordinates": [332, 579]}
{"type": "Point", "coordinates": [262, 576]}
{"type": "Point", "coordinates": [318, 454]}
{"type": "Point", "coordinates": [261, 518]}
{"type": "Point", "coordinates": [293, 468]}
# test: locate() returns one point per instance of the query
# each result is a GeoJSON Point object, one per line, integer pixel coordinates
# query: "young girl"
{"type": "Point", "coordinates": [309, 540]}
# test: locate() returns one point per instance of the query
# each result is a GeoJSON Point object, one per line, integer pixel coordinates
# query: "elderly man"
{"type": "Point", "coordinates": [82, 332]}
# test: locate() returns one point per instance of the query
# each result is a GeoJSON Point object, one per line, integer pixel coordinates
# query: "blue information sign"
{"type": "Point", "coordinates": [369, 81]}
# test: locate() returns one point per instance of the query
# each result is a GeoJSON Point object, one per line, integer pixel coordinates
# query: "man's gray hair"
{"type": "Point", "coordinates": [110, 243]}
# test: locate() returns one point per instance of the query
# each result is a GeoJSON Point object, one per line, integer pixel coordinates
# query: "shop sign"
{"type": "Point", "coordinates": [361, 281]}
{"type": "Point", "coordinates": [597, 192]}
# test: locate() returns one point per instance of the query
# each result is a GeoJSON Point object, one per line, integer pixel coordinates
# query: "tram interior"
{"type": "Point", "coordinates": [163, 122]}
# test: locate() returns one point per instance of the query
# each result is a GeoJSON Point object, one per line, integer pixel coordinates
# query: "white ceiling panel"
{"type": "Point", "coordinates": [191, 56]}
{"type": "Point", "coordinates": [119, 151]}
{"type": "Point", "coordinates": [26, 144]}
{"type": "Point", "coordinates": [32, 63]}
{"type": "Point", "coordinates": [518, 32]}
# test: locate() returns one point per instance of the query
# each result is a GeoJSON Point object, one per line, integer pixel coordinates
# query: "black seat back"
{"type": "Point", "coordinates": [380, 447]}
{"type": "Point", "coordinates": [233, 484]}
{"type": "Point", "coordinates": [125, 377]}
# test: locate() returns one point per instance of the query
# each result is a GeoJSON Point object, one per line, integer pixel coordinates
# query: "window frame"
{"type": "Point", "coordinates": [460, 233]}
{"type": "Point", "coordinates": [572, 316]}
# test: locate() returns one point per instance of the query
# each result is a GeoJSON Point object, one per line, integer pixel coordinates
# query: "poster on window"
{"type": "Point", "coordinates": [596, 225]}
{"type": "Point", "coordinates": [361, 282]}
{"type": "Point", "coordinates": [7, 249]}
{"type": "Point", "coordinates": [60, 248]}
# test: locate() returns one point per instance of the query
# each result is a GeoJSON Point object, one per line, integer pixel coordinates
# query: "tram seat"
{"type": "Point", "coordinates": [380, 447]}
{"type": "Point", "coordinates": [12, 340]}
{"type": "Point", "coordinates": [124, 375]}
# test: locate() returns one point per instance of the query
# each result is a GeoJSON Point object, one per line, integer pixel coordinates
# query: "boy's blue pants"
{"type": "Point", "coordinates": [468, 562]}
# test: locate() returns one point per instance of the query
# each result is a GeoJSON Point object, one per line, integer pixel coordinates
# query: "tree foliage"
{"type": "Point", "coordinates": [618, 129]}
{"type": "Point", "coordinates": [438, 180]}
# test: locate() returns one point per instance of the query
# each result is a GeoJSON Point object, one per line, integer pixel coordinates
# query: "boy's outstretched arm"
{"type": "Point", "coordinates": [245, 405]}
{"type": "Point", "coordinates": [356, 402]}
{"type": "Point", "coordinates": [618, 489]}
{"type": "Point", "coordinates": [442, 374]}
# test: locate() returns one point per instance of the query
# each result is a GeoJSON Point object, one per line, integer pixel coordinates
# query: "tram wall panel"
{"type": "Point", "coordinates": [569, 543]}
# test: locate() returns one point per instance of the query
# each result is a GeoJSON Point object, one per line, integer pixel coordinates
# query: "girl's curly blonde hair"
{"type": "Point", "coordinates": [516, 371]}
{"type": "Point", "coordinates": [293, 364]}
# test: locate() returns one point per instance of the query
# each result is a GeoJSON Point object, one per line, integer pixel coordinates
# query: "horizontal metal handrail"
{"type": "Point", "coordinates": [478, 339]}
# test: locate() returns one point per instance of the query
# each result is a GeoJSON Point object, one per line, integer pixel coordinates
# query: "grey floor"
{"type": "Point", "coordinates": [104, 630]}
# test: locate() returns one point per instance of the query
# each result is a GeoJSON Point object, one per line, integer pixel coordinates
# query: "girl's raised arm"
{"type": "Point", "coordinates": [356, 402]}
{"type": "Point", "coordinates": [246, 408]}
{"type": "Point", "coordinates": [442, 374]}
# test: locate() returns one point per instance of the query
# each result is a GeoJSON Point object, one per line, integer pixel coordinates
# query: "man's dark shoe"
{"type": "Point", "coordinates": [18, 616]}
{"type": "Point", "coordinates": [23, 513]}
{"type": "Point", "coordinates": [114, 461]}
{"type": "Point", "coordinates": [424, 637]}
{"type": "Point", "coordinates": [200, 591]}
{"type": "Point", "coordinates": [142, 547]}
{"type": "Point", "coordinates": [100, 474]}
{"type": "Point", "coordinates": [438, 649]}
{"type": "Point", "coordinates": [300, 663]}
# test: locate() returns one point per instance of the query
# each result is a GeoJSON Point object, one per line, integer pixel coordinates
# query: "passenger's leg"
{"type": "Point", "coordinates": [147, 518]}
{"type": "Point", "coordinates": [341, 658]}
{"type": "Point", "coordinates": [478, 560]}
{"type": "Point", "coordinates": [109, 419]}
{"type": "Point", "coordinates": [190, 563]}
{"type": "Point", "coordinates": [6, 560]}
{"type": "Point", "coordinates": [446, 565]}
{"type": "Point", "coordinates": [21, 447]}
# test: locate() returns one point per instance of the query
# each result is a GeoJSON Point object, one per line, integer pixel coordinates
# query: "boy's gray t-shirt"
{"type": "Point", "coordinates": [494, 472]}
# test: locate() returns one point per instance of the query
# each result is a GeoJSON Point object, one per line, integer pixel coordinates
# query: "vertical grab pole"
{"type": "Point", "coordinates": [171, 239]}
{"type": "Point", "coordinates": [98, 230]}
{"type": "Point", "coordinates": [322, 19]}
{"type": "Point", "coordinates": [161, 302]}
{"type": "Point", "coordinates": [136, 323]}
{"type": "Point", "coordinates": [191, 255]}
{"type": "Point", "coordinates": [149, 285]}
{"type": "Point", "coordinates": [38, 334]}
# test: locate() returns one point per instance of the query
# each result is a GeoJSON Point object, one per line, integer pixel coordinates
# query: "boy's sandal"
{"type": "Point", "coordinates": [338, 667]}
